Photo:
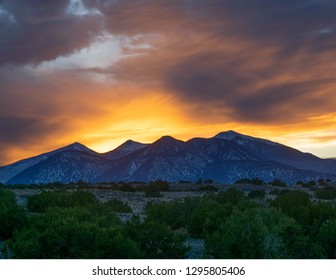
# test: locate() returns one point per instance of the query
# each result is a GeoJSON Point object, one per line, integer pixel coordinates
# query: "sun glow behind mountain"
{"type": "Point", "coordinates": [101, 73]}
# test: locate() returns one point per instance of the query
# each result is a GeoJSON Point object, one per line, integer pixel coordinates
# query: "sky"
{"type": "Point", "coordinates": [101, 72]}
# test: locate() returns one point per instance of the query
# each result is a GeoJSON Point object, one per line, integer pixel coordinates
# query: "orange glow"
{"type": "Point", "coordinates": [158, 69]}
{"type": "Point", "coordinates": [150, 115]}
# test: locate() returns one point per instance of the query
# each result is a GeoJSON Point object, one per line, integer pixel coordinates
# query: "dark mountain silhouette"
{"type": "Point", "coordinates": [124, 149]}
{"type": "Point", "coordinates": [227, 157]}
{"type": "Point", "coordinates": [271, 151]}
{"type": "Point", "coordinates": [9, 171]}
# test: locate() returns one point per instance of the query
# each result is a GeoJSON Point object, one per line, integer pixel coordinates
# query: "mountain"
{"type": "Point", "coordinates": [9, 171]}
{"type": "Point", "coordinates": [271, 151]}
{"type": "Point", "coordinates": [226, 157]}
{"type": "Point", "coordinates": [66, 164]}
{"type": "Point", "coordinates": [167, 156]}
{"type": "Point", "coordinates": [124, 149]}
{"type": "Point", "coordinates": [216, 158]}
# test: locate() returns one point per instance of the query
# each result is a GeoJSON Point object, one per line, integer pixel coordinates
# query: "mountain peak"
{"type": "Point", "coordinates": [168, 143]}
{"type": "Point", "coordinates": [228, 135]}
{"type": "Point", "coordinates": [76, 146]}
{"type": "Point", "coordinates": [233, 135]}
{"type": "Point", "coordinates": [131, 145]}
{"type": "Point", "coordinates": [124, 149]}
{"type": "Point", "coordinates": [167, 138]}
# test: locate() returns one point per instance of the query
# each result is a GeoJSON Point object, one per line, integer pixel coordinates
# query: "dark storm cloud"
{"type": "Point", "coordinates": [20, 129]}
{"type": "Point", "coordinates": [34, 31]}
{"type": "Point", "coordinates": [260, 61]}
{"type": "Point", "coordinates": [217, 53]}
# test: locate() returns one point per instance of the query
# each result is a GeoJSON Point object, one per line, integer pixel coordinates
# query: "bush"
{"type": "Point", "coordinates": [260, 194]}
{"type": "Point", "coordinates": [72, 233]}
{"type": "Point", "coordinates": [208, 181]}
{"type": "Point", "coordinates": [127, 188]}
{"type": "Point", "coordinates": [173, 213]}
{"type": "Point", "coordinates": [232, 195]}
{"type": "Point", "coordinates": [41, 202]}
{"type": "Point", "coordinates": [327, 238]}
{"type": "Point", "coordinates": [309, 184]}
{"type": "Point", "coordinates": [274, 192]}
{"type": "Point", "coordinates": [157, 240]}
{"type": "Point", "coordinates": [288, 201]}
{"type": "Point", "coordinates": [253, 181]}
{"type": "Point", "coordinates": [208, 188]}
{"type": "Point", "coordinates": [279, 183]}
{"type": "Point", "coordinates": [201, 214]}
{"type": "Point", "coordinates": [260, 233]}
{"type": "Point", "coordinates": [153, 191]}
{"type": "Point", "coordinates": [327, 193]}
{"type": "Point", "coordinates": [12, 216]}
{"type": "Point", "coordinates": [118, 206]}
{"type": "Point", "coordinates": [296, 204]}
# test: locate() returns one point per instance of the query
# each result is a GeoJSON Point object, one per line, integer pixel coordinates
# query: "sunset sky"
{"type": "Point", "coordinates": [101, 72]}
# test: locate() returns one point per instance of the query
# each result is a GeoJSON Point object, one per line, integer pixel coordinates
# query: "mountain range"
{"type": "Point", "coordinates": [226, 157]}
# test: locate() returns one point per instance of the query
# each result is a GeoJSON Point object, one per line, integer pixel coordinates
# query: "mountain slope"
{"type": "Point", "coordinates": [219, 159]}
{"type": "Point", "coordinates": [64, 166]}
{"type": "Point", "coordinates": [227, 157]}
{"type": "Point", "coordinates": [124, 149]}
{"type": "Point", "coordinates": [165, 157]}
{"type": "Point", "coordinates": [9, 171]}
{"type": "Point", "coordinates": [271, 151]}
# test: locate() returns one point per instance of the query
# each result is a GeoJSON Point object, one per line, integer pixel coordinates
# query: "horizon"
{"type": "Point", "coordinates": [102, 72]}
{"type": "Point", "coordinates": [149, 143]}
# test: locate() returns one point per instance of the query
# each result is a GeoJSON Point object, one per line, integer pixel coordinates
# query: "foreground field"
{"type": "Point", "coordinates": [180, 221]}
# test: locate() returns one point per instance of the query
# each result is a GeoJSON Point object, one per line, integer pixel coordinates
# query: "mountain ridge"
{"type": "Point", "coordinates": [226, 157]}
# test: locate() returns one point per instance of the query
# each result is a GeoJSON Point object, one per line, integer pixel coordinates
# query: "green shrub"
{"type": "Point", "coordinates": [208, 188]}
{"type": "Point", "coordinates": [127, 188]}
{"type": "Point", "coordinates": [157, 240]}
{"type": "Point", "coordinates": [153, 191]}
{"type": "Point", "coordinates": [279, 183]}
{"type": "Point", "coordinates": [296, 204]}
{"type": "Point", "coordinates": [260, 194]}
{"type": "Point", "coordinates": [260, 233]}
{"type": "Point", "coordinates": [72, 233]}
{"type": "Point", "coordinates": [41, 202]}
{"type": "Point", "coordinates": [327, 238]}
{"type": "Point", "coordinates": [232, 195]}
{"type": "Point", "coordinates": [274, 192]}
{"type": "Point", "coordinates": [12, 216]}
{"type": "Point", "coordinates": [173, 213]}
{"type": "Point", "coordinates": [253, 181]}
{"type": "Point", "coordinates": [327, 193]}
{"type": "Point", "coordinates": [290, 201]}
{"type": "Point", "coordinates": [118, 206]}
{"type": "Point", "coordinates": [206, 214]}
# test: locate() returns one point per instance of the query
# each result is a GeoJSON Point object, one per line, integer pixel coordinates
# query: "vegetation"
{"type": "Point", "coordinates": [208, 188]}
{"type": "Point", "coordinates": [260, 194]}
{"type": "Point", "coordinates": [75, 224]}
{"type": "Point", "coordinates": [154, 189]}
{"type": "Point", "coordinates": [279, 183]}
{"type": "Point", "coordinates": [41, 202]}
{"type": "Point", "coordinates": [12, 217]}
{"type": "Point", "coordinates": [254, 181]}
{"type": "Point", "coordinates": [118, 206]}
{"type": "Point", "coordinates": [233, 226]}
{"type": "Point", "coordinates": [327, 193]}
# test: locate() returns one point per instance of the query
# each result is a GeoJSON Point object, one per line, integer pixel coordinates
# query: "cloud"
{"type": "Point", "coordinates": [43, 30]}
{"type": "Point", "coordinates": [256, 61]}
{"type": "Point", "coordinates": [247, 62]}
